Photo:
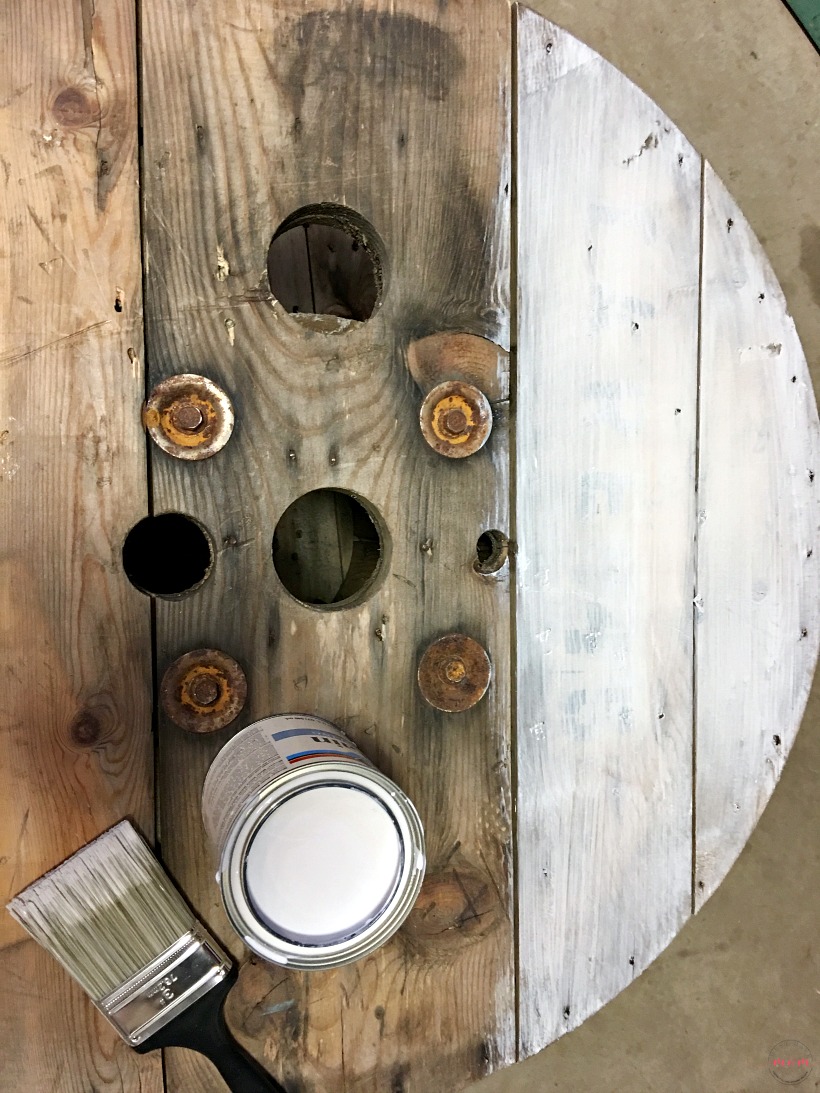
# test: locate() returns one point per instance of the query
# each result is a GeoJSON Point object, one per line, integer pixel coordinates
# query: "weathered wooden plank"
{"type": "Point", "coordinates": [75, 648]}
{"type": "Point", "coordinates": [400, 112]}
{"type": "Point", "coordinates": [608, 250]}
{"type": "Point", "coordinates": [758, 590]}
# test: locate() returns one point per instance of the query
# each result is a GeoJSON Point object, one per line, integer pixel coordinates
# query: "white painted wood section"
{"type": "Point", "coordinates": [757, 628]}
{"type": "Point", "coordinates": [608, 266]}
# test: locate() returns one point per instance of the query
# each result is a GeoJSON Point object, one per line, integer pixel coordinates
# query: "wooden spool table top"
{"type": "Point", "coordinates": [652, 459]}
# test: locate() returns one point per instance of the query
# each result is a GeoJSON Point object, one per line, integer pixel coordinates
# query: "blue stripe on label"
{"type": "Point", "coordinates": [332, 754]}
{"type": "Point", "coordinates": [307, 732]}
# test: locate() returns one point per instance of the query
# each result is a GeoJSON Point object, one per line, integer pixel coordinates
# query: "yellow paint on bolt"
{"type": "Point", "coordinates": [179, 436]}
{"type": "Point", "coordinates": [197, 672]}
{"type": "Point", "coordinates": [443, 409]}
{"type": "Point", "coordinates": [455, 671]}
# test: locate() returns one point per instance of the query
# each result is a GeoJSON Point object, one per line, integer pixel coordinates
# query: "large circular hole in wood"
{"type": "Point", "coordinates": [326, 260]}
{"type": "Point", "coordinates": [329, 548]}
{"type": "Point", "coordinates": [167, 555]}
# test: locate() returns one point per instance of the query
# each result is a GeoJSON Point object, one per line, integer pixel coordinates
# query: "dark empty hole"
{"type": "Point", "coordinates": [327, 548]}
{"type": "Point", "coordinates": [492, 550]}
{"type": "Point", "coordinates": [326, 260]}
{"type": "Point", "coordinates": [166, 555]}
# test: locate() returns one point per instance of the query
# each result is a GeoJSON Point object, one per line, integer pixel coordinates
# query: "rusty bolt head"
{"type": "Point", "coordinates": [189, 417]}
{"type": "Point", "coordinates": [454, 422]}
{"type": "Point", "coordinates": [456, 670]}
{"type": "Point", "coordinates": [186, 416]}
{"type": "Point", "coordinates": [456, 419]}
{"type": "Point", "coordinates": [203, 691]}
{"type": "Point", "coordinates": [454, 673]}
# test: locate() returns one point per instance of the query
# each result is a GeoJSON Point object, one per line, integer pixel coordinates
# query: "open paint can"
{"type": "Point", "coordinates": [321, 856]}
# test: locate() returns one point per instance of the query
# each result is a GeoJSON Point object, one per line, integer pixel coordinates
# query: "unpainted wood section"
{"type": "Point", "coordinates": [398, 111]}
{"type": "Point", "coordinates": [608, 249]}
{"type": "Point", "coordinates": [75, 727]}
{"type": "Point", "coordinates": [342, 273]}
{"type": "Point", "coordinates": [758, 593]}
{"type": "Point", "coordinates": [289, 271]}
{"type": "Point", "coordinates": [311, 549]}
{"type": "Point", "coordinates": [321, 269]}
{"type": "Point", "coordinates": [325, 548]}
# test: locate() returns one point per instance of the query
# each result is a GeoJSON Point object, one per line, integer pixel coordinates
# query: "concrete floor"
{"type": "Point", "coordinates": [742, 81]}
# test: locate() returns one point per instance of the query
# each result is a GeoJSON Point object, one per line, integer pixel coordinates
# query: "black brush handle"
{"type": "Point", "coordinates": [202, 1028]}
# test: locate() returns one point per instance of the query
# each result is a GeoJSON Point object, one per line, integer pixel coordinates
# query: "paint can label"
{"type": "Point", "coordinates": [305, 743]}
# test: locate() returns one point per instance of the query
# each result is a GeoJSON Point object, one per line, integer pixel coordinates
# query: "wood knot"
{"type": "Point", "coordinates": [459, 903]}
{"type": "Point", "coordinates": [398, 1078]}
{"type": "Point", "coordinates": [74, 108]}
{"type": "Point", "coordinates": [91, 726]}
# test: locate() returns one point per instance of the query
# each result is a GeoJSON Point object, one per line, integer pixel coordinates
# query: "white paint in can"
{"type": "Point", "coordinates": [321, 855]}
{"type": "Point", "coordinates": [323, 864]}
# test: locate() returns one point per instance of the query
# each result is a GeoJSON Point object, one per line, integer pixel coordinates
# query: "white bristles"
{"type": "Point", "coordinates": [105, 913]}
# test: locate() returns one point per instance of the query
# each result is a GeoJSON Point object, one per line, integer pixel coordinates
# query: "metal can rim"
{"type": "Point", "coordinates": [269, 945]}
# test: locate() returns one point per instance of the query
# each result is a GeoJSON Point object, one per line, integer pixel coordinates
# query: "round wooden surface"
{"type": "Point", "coordinates": [651, 622]}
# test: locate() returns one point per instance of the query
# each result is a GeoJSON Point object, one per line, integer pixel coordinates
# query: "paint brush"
{"type": "Point", "coordinates": [112, 917]}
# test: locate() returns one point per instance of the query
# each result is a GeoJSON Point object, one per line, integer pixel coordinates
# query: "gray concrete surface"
{"type": "Point", "coordinates": [743, 83]}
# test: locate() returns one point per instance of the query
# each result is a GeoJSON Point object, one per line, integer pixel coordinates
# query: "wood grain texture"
{"type": "Point", "coordinates": [608, 250]}
{"type": "Point", "coordinates": [758, 589]}
{"type": "Point", "coordinates": [400, 112]}
{"type": "Point", "coordinates": [253, 110]}
{"type": "Point", "coordinates": [75, 645]}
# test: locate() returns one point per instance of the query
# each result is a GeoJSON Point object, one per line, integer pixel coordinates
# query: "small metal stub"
{"type": "Point", "coordinates": [456, 419]}
{"type": "Point", "coordinates": [203, 691]}
{"type": "Point", "coordinates": [189, 417]}
{"type": "Point", "coordinates": [454, 673]}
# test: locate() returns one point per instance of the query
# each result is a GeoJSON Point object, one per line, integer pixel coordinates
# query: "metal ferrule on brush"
{"type": "Point", "coordinates": [166, 987]}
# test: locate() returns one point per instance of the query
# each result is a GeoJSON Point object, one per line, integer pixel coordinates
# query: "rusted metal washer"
{"type": "Point", "coordinates": [203, 691]}
{"type": "Point", "coordinates": [454, 673]}
{"type": "Point", "coordinates": [189, 417]}
{"type": "Point", "coordinates": [456, 419]}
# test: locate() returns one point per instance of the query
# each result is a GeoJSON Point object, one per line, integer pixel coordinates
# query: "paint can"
{"type": "Point", "coordinates": [321, 856]}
